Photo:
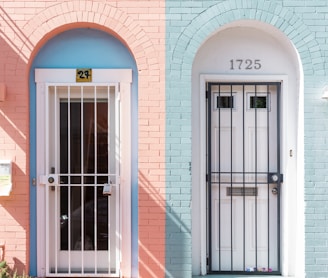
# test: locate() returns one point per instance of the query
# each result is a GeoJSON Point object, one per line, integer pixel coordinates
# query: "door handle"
{"type": "Point", "coordinates": [274, 191]}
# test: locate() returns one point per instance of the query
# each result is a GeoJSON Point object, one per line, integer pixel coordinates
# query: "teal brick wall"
{"type": "Point", "coordinates": [188, 25]}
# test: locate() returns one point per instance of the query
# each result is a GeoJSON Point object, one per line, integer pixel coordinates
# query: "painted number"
{"type": "Point", "coordinates": [83, 75]}
{"type": "Point", "coordinates": [247, 64]}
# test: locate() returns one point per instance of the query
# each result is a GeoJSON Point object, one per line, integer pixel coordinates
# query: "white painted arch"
{"type": "Point", "coordinates": [280, 62]}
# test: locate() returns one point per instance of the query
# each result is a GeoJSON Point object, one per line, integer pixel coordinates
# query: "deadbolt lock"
{"type": "Point", "coordinates": [51, 180]}
{"type": "Point", "coordinates": [275, 178]}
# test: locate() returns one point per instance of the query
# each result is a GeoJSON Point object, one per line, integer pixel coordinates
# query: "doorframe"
{"type": "Point", "coordinates": [291, 167]}
{"type": "Point", "coordinates": [124, 78]}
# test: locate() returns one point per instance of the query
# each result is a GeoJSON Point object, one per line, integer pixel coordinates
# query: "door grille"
{"type": "Point", "coordinates": [82, 156]}
{"type": "Point", "coordinates": [243, 153]}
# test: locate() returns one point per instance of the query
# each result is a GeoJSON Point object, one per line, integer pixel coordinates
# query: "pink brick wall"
{"type": "Point", "coordinates": [24, 27]}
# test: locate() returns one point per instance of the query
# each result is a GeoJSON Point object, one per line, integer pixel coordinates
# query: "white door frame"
{"type": "Point", "coordinates": [62, 76]}
{"type": "Point", "coordinates": [292, 205]}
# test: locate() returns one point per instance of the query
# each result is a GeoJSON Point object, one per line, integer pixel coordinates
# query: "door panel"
{"type": "Point", "coordinates": [243, 154]}
{"type": "Point", "coordinates": [82, 156]}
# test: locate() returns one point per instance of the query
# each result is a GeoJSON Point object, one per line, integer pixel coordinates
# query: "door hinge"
{"type": "Point", "coordinates": [207, 177]}
{"type": "Point", "coordinates": [206, 93]}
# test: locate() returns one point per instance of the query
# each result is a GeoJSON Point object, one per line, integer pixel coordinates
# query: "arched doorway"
{"type": "Point", "coordinates": [78, 152]}
{"type": "Point", "coordinates": [246, 93]}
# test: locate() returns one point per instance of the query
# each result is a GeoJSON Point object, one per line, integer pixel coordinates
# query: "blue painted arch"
{"type": "Point", "coordinates": [83, 48]}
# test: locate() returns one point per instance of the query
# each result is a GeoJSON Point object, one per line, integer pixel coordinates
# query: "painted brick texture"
{"type": "Point", "coordinates": [189, 24]}
{"type": "Point", "coordinates": [24, 27]}
{"type": "Point", "coordinates": [164, 164]}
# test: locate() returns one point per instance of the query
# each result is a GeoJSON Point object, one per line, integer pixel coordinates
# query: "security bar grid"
{"type": "Point", "coordinates": [243, 154]}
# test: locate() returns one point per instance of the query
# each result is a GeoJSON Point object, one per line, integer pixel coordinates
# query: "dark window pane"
{"type": "Point", "coordinates": [75, 218]}
{"type": "Point", "coordinates": [75, 137]}
{"type": "Point", "coordinates": [89, 137]}
{"type": "Point", "coordinates": [89, 218]}
{"type": "Point", "coordinates": [102, 220]}
{"type": "Point", "coordinates": [225, 102]}
{"type": "Point", "coordinates": [258, 102]}
{"type": "Point", "coordinates": [102, 138]}
{"type": "Point", "coordinates": [63, 218]}
{"type": "Point", "coordinates": [63, 138]}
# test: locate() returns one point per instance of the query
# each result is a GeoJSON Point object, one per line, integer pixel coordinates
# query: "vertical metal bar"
{"type": "Point", "coordinates": [57, 226]}
{"type": "Point", "coordinates": [82, 134]}
{"type": "Point", "coordinates": [268, 170]}
{"type": "Point", "coordinates": [69, 174]}
{"type": "Point", "coordinates": [256, 185]}
{"type": "Point", "coordinates": [82, 191]}
{"type": "Point", "coordinates": [82, 178]}
{"type": "Point", "coordinates": [82, 228]}
{"type": "Point", "coordinates": [244, 198]}
{"type": "Point", "coordinates": [109, 172]}
{"type": "Point", "coordinates": [47, 147]}
{"type": "Point", "coordinates": [47, 230]}
{"type": "Point", "coordinates": [95, 176]}
{"type": "Point", "coordinates": [219, 153]}
{"type": "Point", "coordinates": [278, 170]}
{"type": "Point", "coordinates": [231, 195]}
{"type": "Point", "coordinates": [209, 172]}
{"type": "Point", "coordinates": [95, 224]}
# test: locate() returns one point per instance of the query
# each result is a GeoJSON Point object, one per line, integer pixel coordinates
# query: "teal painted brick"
{"type": "Point", "coordinates": [303, 23]}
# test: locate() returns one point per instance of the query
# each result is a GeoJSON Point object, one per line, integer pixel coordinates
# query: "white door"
{"type": "Point", "coordinates": [243, 177]}
{"type": "Point", "coordinates": [82, 181]}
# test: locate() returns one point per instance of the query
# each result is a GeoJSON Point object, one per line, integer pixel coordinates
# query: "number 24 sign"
{"type": "Point", "coordinates": [83, 75]}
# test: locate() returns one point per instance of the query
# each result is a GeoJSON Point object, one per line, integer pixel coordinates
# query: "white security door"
{"type": "Point", "coordinates": [243, 177]}
{"type": "Point", "coordinates": [82, 181]}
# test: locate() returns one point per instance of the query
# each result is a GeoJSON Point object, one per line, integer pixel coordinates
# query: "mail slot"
{"type": "Point", "coordinates": [242, 191]}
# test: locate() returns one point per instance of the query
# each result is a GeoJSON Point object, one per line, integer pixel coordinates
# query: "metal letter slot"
{"type": "Point", "coordinates": [242, 191]}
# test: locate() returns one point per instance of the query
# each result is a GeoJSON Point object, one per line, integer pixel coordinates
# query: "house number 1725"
{"type": "Point", "coordinates": [247, 64]}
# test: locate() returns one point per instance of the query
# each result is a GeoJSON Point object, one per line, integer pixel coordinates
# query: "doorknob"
{"type": "Point", "coordinates": [51, 179]}
{"type": "Point", "coordinates": [274, 191]}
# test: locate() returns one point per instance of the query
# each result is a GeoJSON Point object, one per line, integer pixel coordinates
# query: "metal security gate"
{"type": "Point", "coordinates": [82, 181]}
{"type": "Point", "coordinates": [243, 177]}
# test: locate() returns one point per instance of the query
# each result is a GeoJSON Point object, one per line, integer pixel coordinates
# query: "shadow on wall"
{"type": "Point", "coordinates": [151, 221]}
{"type": "Point", "coordinates": [14, 126]}
{"type": "Point", "coordinates": [18, 267]}
{"type": "Point", "coordinates": [158, 217]}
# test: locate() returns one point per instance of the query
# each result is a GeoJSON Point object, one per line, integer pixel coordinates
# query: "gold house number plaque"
{"type": "Point", "coordinates": [83, 75]}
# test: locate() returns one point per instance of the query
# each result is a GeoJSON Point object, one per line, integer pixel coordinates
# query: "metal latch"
{"type": "Point", "coordinates": [107, 189]}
